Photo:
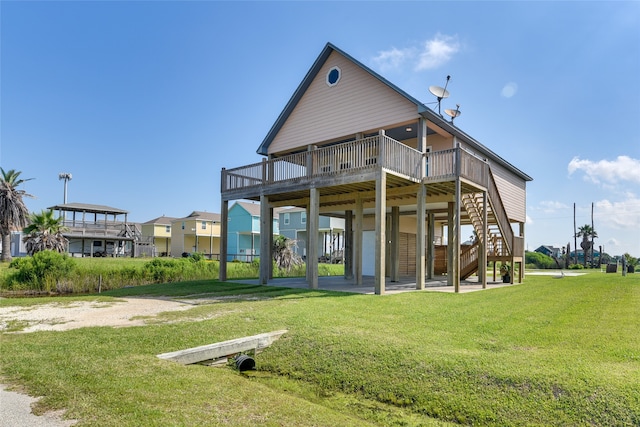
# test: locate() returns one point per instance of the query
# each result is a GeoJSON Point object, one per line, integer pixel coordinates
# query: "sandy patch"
{"type": "Point", "coordinates": [79, 314]}
{"type": "Point", "coordinates": [554, 273]}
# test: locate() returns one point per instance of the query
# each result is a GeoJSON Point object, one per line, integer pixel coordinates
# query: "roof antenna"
{"type": "Point", "coordinates": [440, 93]}
{"type": "Point", "coordinates": [453, 113]}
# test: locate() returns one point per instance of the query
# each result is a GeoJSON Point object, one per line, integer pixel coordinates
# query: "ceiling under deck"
{"type": "Point", "coordinates": [336, 199]}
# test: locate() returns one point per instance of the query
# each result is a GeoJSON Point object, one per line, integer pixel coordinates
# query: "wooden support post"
{"type": "Point", "coordinates": [450, 241]}
{"type": "Point", "coordinates": [313, 220]}
{"type": "Point", "coordinates": [380, 215]}
{"type": "Point", "coordinates": [395, 243]}
{"type": "Point", "coordinates": [431, 246]}
{"type": "Point", "coordinates": [357, 241]}
{"type": "Point", "coordinates": [420, 237]}
{"type": "Point", "coordinates": [456, 234]}
{"type": "Point", "coordinates": [521, 270]}
{"type": "Point", "coordinates": [482, 256]}
{"type": "Point", "coordinates": [270, 246]}
{"type": "Point", "coordinates": [265, 258]}
{"type": "Point", "coordinates": [348, 245]}
{"type": "Point", "coordinates": [307, 246]}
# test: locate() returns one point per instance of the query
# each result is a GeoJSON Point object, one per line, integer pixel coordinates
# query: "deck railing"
{"type": "Point", "coordinates": [370, 152]}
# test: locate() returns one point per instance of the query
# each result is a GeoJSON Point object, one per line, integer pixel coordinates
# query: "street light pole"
{"type": "Point", "coordinates": [66, 177]}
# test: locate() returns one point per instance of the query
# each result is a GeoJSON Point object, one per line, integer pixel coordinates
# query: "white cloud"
{"type": "Point", "coordinates": [623, 214]}
{"type": "Point", "coordinates": [392, 59]}
{"type": "Point", "coordinates": [613, 242]}
{"type": "Point", "coordinates": [509, 90]}
{"type": "Point", "coordinates": [437, 51]}
{"type": "Point", "coordinates": [432, 54]}
{"type": "Point", "coordinates": [623, 168]}
{"type": "Point", "coordinates": [550, 206]}
{"type": "Point", "coordinates": [529, 220]}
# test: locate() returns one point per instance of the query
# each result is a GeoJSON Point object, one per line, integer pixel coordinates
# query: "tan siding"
{"type": "Point", "coordinates": [358, 103]}
{"type": "Point", "coordinates": [439, 143]}
{"type": "Point", "coordinates": [512, 191]}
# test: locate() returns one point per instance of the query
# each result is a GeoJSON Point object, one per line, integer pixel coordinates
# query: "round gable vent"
{"type": "Point", "coordinates": [333, 76]}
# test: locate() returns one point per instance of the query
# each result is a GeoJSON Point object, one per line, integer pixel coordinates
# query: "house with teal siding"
{"type": "Point", "coordinates": [330, 241]}
{"type": "Point", "coordinates": [243, 231]}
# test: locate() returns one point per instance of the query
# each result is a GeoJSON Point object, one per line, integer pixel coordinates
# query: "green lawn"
{"type": "Point", "coordinates": [548, 352]}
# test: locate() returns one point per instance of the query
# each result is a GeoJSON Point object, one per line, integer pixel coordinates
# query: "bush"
{"type": "Point", "coordinates": [576, 267]}
{"type": "Point", "coordinates": [42, 271]}
{"type": "Point", "coordinates": [196, 257]}
{"type": "Point", "coordinates": [539, 260]}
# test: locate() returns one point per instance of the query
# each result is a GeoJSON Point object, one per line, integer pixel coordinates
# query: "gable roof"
{"type": "Point", "coordinates": [254, 208]}
{"type": "Point", "coordinates": [421, 109]}
{"type": "Point", "coordinates": [199, 215]}
{"type": "Point", "coordinates": [210, 216]}
{"type": "Point", "coordinates": [163, 220]}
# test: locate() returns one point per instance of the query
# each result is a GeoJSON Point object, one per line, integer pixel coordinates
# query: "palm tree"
{"type": "Point", "coordinates": [283, 253]}
{"type": "Point", "coordinates": [586, 232]}
{"type": "Point", "coordinates": [45, 233]}
{"type": "Point", "coordinates": [13, 212]}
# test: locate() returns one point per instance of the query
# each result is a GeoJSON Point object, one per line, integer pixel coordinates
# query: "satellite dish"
{"type": "Point", "coordinates": [440, 92]}
{"type": "Point", "coordinates": [453, 113]}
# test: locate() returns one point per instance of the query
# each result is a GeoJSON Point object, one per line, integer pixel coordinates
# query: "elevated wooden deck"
{"type": "Point", "coordinates": [353, 166]}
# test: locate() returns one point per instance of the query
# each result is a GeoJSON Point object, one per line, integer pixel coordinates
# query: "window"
{"type": "Point", "coordinates": [167, 229]}
{"type": "Point", "coordinates": [303, 217]}
{"type": "Point", "coordinates": [183, 225]}
{"type": "Point", "coordinates": [287, 219]}
{"type": "Point", "coordinates": [204, 225]}
{"type": "Point", "coordinates": [333, 76]}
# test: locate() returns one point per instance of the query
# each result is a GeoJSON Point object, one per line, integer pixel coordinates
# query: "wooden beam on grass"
{"type": "Point", "coordinates": [223, 349]}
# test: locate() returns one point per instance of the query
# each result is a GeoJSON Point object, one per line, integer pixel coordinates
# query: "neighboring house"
{"type": "Point", "coordinates": [351, 144]}
{"type": "Point", "coordinates": [158, 231]}
{"type": "Point", "coordinates": [243, 227]}
{"type": "Point", "coordinates": [16, 245]}
{"type": "Point", "coordinates": [197, 232]}
{"type": "Point", "coordinates": [293, 224]}
{"type": "Point", "coordinates": [97, 230]}
{"type": "Point", "coordinates": [550, 251]}
{"type": "Point", "coordinates": [580, 252]}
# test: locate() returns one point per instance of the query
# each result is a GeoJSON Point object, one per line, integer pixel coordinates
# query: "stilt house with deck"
{"type": "Point", "coordinates": [351, 144]}
{"type": "Point", "coordinates": [98, 231]}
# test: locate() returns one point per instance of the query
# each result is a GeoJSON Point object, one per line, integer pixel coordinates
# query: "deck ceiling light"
{"type": "Point", "coordinates": [408, 129]}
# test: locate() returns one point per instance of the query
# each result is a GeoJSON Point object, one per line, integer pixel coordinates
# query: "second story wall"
{"type": "Point", "coordinates": [512, 192]}
{"type": "Point", "coordinates": [358, 102]}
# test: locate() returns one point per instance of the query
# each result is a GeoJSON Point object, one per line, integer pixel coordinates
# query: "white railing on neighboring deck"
{"type": "Point", "coordinates": [370, 152]}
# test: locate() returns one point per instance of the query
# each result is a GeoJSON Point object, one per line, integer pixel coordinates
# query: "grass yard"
{"type": "Point", "coordinates": [548, 352]}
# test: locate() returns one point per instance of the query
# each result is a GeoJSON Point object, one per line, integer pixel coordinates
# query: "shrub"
{"type": "Point", "coordinates": [43, 270]}
{"type": "Point", "coordinates": [540, 260]}
{"type": "Point", "coordinates": [576, 267]}
{"type": "Point", "coordinates": [196, 257]}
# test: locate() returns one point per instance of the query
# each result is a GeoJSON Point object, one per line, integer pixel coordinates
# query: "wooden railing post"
{"type": "Point", "coordinates": [264, 170]}
{"type": "Point", "coordinates": [458, 166]}
{"type": "Point", "coordinates": [310, 150]}
{"type": "Point", "coordinates": [381, 146]}
{"type": "Point", "coordinates": [223, 180]}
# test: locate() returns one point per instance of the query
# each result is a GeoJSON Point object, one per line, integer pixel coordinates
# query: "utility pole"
{"type": "Point", "coordinates": [66, 177]}
{"type": "Point", "coordinates": [593, 231]}
{"type": "Point", "coordinates": [575, 236]}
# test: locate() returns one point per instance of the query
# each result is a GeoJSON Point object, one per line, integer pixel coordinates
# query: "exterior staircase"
{"type": "Point", "coordinates": [500, 236]}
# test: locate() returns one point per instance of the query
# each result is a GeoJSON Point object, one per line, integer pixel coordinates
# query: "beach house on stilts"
{"type": "Point", "coordinates": [350, 144]}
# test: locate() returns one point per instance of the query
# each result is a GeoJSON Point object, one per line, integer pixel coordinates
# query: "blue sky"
{"type": "Point", "coordinates": [145, 102]}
